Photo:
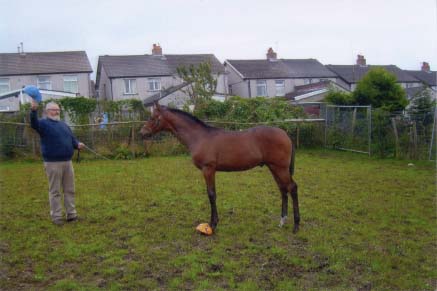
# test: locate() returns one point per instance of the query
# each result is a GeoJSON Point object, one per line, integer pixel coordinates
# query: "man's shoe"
{"type": "Point", "coordinates": [72, 219]}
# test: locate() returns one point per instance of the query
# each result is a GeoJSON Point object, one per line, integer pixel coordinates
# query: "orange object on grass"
{"type": "Point", "coordinates": [204, 228]}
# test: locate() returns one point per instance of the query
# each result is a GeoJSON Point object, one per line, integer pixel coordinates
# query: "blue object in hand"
{"type": "Point", "coordinates": [33, 92]}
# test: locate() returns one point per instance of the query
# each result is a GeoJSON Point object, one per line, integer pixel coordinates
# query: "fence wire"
{"type": "Point", "coordinates": [121, 140]}
{"type": "Point", "coordinates": [348, 128]}
{"type": "Point", "coordinates": [357, 129]}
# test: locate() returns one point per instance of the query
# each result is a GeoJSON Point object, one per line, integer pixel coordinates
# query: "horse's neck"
{"type": "Point", "coordinates": [188, 133]}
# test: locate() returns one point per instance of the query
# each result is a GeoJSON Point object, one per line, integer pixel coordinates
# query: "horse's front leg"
{"type": "Point", "coordinates": [209, 174]}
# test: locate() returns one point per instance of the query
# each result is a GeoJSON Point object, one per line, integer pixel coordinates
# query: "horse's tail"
{"type": "Point", "coordinates": [293, 148]}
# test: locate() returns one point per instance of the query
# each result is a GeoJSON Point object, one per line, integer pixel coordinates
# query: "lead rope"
{"type": "Point", "coordinates": [97, 154]}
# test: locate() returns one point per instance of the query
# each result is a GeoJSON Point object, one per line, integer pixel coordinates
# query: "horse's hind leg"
{"type": "Point", "coordinates": [287, 185]}
{"type": "Point", "coordinates": [283, 186]}
{"type": "Point", "coordinates": [296, 214]}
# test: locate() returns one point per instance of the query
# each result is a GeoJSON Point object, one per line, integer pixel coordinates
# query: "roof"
{"type": "Point", "coordinates": [414, 91]}
{"type": "Point", "coordinates": [153, 65]}
{"type": "Point", "coordinates": [429, 78]}
{"type": "Point", "coordinates": [164, 93]}
{"type": "Point", "coordinates": [322, 86]}
{"type": "Point", "coordinates": [12, 64]}
{"type": "Point", "coordinates": [281, 68]}
{"type": "Point", "coordinates": [354, 73]}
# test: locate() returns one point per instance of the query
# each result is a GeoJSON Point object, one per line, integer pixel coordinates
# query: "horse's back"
{"type": "Point", "coordinates": [242, 150]}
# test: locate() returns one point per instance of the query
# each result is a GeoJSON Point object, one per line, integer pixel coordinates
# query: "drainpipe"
{"type": "Point", "coordinates": [248, 85]}
{"type": "Point", "coordinates": [112, 92]}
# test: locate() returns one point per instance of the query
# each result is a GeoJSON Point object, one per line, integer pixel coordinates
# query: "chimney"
{"type": "Point", "coordinates": [271, 55]}
{"type": "Point", "coordinates": [156, 50]}
{"type": "Point", "coordinates": [425, 67]}
{"type": "Point", "coordinates": [361, 61]}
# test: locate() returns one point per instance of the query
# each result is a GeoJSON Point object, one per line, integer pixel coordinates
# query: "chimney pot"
{"type": "Point", "coordinates": [361, 61]}
{"type": "Point", "coordinates": [156, 50]}
{"type": "Point", "coordinates": [271, 55]}
{"type": "Point", "coordinates": [425, 67]}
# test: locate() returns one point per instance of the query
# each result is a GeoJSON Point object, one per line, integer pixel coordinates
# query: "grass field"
{"type": "Point", "coordinates": [366, 225]}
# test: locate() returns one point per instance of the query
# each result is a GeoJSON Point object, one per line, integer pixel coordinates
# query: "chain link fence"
{"type": "Point", "coordinates": [352, 128]}
{"type": "Point", "coordinates": [121, 140]}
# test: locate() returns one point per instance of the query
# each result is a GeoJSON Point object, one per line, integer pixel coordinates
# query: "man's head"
{"type": "Point", "coordinates": [53, 111]}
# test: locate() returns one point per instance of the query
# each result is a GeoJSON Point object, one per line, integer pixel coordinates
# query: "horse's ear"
{"type": "Point", "coordinates": [157, 106]}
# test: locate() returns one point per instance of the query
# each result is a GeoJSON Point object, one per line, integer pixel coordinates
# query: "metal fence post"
{"type": "Point", "coordinates": [369, 113]}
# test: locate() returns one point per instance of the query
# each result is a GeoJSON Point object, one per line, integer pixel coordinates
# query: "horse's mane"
{"type": "Point", "coordinates": [191, 118]}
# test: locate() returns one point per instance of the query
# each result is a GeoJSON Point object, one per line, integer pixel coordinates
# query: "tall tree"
{"type": "Point", "coordinates": [422, 107]}
{"type": "Point", "coordinates": [339, 97]}
{"type": "Point", "coordinates": [201, 83]}
{"type": "Point", "coordinates": [380, 89]}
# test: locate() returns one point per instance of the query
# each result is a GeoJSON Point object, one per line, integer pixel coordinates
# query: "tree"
{"type": "Point", "coordinates": [201, 83]}
{"type": "Point", "coordinates": [422, 107]}
{"type": "Point", "coordinates": [380, 89]}
{"type": "Point", "coordinates": [339, 97]}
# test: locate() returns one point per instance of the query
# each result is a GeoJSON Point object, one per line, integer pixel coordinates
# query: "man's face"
{"type": "Point", "coordinates": [53, 112]}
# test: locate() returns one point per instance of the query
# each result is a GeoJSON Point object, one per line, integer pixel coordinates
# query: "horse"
{"type": "Point", "coordinates": [214, 149]}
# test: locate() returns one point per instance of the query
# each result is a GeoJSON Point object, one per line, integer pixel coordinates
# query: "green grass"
{"type": "Point", "coordinates": [366, 223]}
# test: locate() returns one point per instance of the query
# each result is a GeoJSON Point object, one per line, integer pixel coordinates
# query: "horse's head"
{"type": "Point", "coordinates": [156, 122]}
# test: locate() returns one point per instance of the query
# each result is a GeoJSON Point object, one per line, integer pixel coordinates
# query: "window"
{"type": "Point", "coordinates": [130, 86]}
{"type": "Point", "coordinates": [261, 88]}
{"type": "Point", "coordinates": [70, 84]}
{"type": "Point", "coordinates": [280, 87]}
{"type": "Point", "coordinates": [307, 81]}
{"type": "Point", "coordinates": [4, 85]}
{"type": "Point", "coordinates": [154, 84]}
{"type": "Point", "coordinates": [44, 83]}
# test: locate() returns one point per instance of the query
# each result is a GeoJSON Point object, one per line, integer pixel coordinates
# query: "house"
{"type": "Point", "coordinates": [349, 75]}
{"type": "Point", "coordinates": [273, 77]}
{"type": "Point", "coordinates": [143, 76]}
{"type": "Point", "coordinates": [426, 76]}
{"type": "Point", "coordinates": [314, 92]}
{"type": "Point", "coordinates": [57, 73]}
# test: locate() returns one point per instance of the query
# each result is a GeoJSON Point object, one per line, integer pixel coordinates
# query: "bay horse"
{"type": "Point", "coordinates": [213, 149]}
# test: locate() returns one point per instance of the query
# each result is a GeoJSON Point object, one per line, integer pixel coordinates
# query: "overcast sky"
{"type": "Point", "coordinates": [399, 32]}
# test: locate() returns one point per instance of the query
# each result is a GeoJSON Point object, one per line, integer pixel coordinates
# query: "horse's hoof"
{"type": "Point", "coordinates": [295, 229]}
{"type": "Point", "coordinates": [282, 221]}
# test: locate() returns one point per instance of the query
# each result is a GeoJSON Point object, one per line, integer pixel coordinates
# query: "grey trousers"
{"type": "Point", "coordinates": [61, 174]}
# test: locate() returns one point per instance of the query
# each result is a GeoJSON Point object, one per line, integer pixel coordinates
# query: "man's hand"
{"type": "Point", "coordinates": [81, 146]}
{"type": "Point", "coordinates": [34, 105]}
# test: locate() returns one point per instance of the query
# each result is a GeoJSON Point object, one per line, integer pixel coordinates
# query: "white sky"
{"type": "Point", "coordinates": [399, 32]}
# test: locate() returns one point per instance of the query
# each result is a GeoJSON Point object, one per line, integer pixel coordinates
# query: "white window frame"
{"type": "Point", "coordinates": [130, 86]}
{"type": "Point", "coordinates": [71, 83]}
{"type": "Point", "coordinates": [154, 84]}
{"type": "Point", "coordinates": [261, 85]}
{"type": "Point", "coordinates": [44, 84]}
{"type": "Point", "coordinates": [280, 87]}
{"type": "Point", "coordinates": [5, 85]}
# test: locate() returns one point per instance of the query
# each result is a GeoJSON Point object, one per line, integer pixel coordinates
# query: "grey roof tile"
{"type": "Point", "coordinates": [281, 68]}
{"type": "Point", "coordinates": [44, 63]}
{"type": "Point", "coordinates": [152, 65]}
{"type": "Point", "coordinates": [354, 73]}
{"type": "Point", "coordinates": [429, 78]}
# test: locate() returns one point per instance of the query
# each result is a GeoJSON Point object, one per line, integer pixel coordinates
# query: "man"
{"type": "Point", "coordinates": [57, 147]}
